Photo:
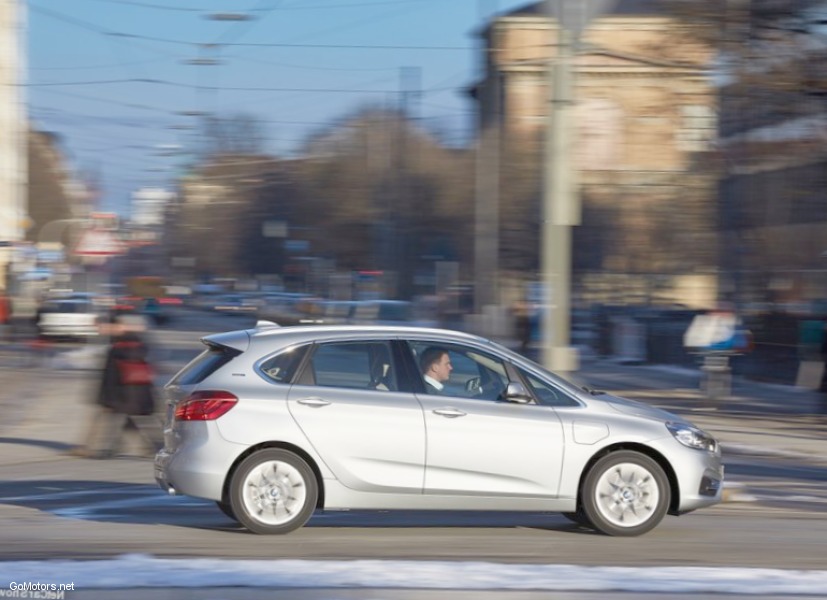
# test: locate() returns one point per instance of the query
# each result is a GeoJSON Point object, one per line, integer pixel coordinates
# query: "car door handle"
{"type": "Point", "coordinates": [314, 402]}
{"type": "Point", "coordinates": [451, 413]}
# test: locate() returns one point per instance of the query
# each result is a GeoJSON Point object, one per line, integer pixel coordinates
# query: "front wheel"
{"type": "Point", "coordinates": [273, 491]}
{"type": "Point", "coordinates": [625, 494]}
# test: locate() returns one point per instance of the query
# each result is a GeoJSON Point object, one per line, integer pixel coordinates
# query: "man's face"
{"type": "Point", "coordinates": [441, 369]}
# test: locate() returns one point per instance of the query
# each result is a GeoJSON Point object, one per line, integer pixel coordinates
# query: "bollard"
{"type": "Point", "coordinates": [716, 380]}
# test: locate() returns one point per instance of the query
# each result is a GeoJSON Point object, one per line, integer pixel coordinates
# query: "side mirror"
{"type": "Point", "coordinates": [516, 392]}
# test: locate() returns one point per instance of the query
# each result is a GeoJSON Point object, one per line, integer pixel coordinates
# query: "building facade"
{"type": "Point", "coordinates": [645, 112]}
{"type": "Point", "coordinates": [13, 168]}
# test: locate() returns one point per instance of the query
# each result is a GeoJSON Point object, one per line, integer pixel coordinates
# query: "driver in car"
{"type": "Point", "coordinates": [436, 368]}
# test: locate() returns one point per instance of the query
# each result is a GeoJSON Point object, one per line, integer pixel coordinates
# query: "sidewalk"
{"type": "Point", "coordinates": [53, 405]}
{"type": "Point", "coordinates": [757, 418]}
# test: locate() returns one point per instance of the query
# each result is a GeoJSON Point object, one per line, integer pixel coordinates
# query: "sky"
{"type": "Point", "coordinates": [128, 570]}
{"type": "Point", "coordinates": [112, 77]}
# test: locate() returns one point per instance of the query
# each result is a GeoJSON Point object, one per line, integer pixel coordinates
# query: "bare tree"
{"type": "Point", "coordinates": [232, 134]}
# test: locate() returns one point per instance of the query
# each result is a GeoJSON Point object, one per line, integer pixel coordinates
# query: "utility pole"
{"type": "Point", "coordinates": [561, 204]}
{"type": "Point", "coordinates": [487, 209]}
{"type": "Point", "coordinates": [560, 209]}
{"type": "Point", "coordinates": [410, 91]}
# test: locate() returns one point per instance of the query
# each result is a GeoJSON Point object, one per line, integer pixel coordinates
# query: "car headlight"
{"type": "Point", "coordinates": [692, 437]}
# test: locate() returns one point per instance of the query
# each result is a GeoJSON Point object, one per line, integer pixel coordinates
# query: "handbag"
{"type": "Point", "coordinates": [134, 372]}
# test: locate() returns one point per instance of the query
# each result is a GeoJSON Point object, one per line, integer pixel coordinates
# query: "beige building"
{"type": "Point", "coordinates": [13, 169]}
{"type": "Point", "coordinates": [645, 111]}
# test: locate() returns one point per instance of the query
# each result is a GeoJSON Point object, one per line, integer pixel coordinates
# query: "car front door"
{"type": "Point", "coordinates": [369, 433]}
{"type": "Point", "coordinates": [478, 444]}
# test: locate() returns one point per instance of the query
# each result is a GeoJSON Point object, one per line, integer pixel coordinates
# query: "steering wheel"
{"type": "Point", "coordinates": [490, 389]}
{"type": "Point", "coordinates": [474, 386]}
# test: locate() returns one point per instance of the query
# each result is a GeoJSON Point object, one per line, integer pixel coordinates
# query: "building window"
{"type": "Point", "coordinates": [698, 125]}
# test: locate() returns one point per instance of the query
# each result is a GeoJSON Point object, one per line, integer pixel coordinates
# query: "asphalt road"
{"type": "Point", "coordinates": [76, 508]}
{"type": "Point", "coordinates": [53, 505]}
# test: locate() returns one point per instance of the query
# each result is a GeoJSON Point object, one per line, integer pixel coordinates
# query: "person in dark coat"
{"type": "Point", "coordinates": [522, 325]}
{"type": "Point", "coordinates": [823, 387]}
{"type": "Point", "coordinates": [126, 396]}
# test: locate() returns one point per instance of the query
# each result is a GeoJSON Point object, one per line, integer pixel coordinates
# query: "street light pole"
{"type": "Point", "coordinates": [560, 208]}
{"type": "Point", "coordinates": [487, 183]}
{"type": "Point", "coordinates": [561, 204]}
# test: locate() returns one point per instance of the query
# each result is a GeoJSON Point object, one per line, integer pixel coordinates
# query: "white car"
{"type": "Point", "coordinates": [273, 423]}
{"type": "Point", "coordinates": [70, 317]}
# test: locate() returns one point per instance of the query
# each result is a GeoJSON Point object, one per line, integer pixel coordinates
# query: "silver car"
{"type": "Point", "coordinates": [273, 423]}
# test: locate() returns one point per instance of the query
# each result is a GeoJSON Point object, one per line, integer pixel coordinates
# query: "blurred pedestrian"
{"type": "Point", "coordinates": [126, 397]}
{"type": "Point", "coordinates": [5, 316]}
{"type": "Point", "coordinates": [823, 387]}
{"type": "Point", "coordinates": [522, 324]}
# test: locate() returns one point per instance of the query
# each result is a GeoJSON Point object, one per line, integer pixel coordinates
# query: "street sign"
{"type": "Point", "coordinates": [98, 242]}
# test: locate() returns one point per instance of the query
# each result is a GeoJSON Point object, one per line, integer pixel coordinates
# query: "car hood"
{"type": "Point", "coordinates": [635, 408]}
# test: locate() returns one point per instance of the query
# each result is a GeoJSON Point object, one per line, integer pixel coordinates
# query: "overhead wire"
{"type": "Point", "coordinates": [94, 67]}
{"type": "Point", "coordinates": [297, 7]}
{"type": "Point", "coordinates": [231, 39]}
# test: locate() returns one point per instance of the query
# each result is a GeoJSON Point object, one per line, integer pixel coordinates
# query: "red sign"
{"type": "Point", "coordinates": [97, 242]}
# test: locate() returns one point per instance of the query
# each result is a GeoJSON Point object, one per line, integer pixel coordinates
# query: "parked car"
{"type": "Point", "coordinates": [74, 316]}
{"type": "Point", "coordinates": [273, 423]}
{"type": "Point", "coordinates": [383, 312]}
{"type": "Point", "coordinates": [235, 304]}
{"type": "Point", "coordinates": [284, 308]}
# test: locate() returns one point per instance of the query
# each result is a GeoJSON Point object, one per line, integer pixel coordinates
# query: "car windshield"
{"type": "Point", "coordinates": [541, 371]}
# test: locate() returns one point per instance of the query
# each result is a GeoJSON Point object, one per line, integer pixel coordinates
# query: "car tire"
{"type": "Point", "coordinates": [273, 491]}
{"type": "Point", "coordinates": [226, 509]}
{"type": "Point", "coordinates": [625, 494]}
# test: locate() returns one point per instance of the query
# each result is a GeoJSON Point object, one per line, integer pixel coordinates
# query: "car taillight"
{"type": "Point", "coordinates": [205, 406]}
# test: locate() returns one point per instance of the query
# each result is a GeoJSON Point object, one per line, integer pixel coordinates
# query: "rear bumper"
{"type": "Point", "coordinates": [197, 469]}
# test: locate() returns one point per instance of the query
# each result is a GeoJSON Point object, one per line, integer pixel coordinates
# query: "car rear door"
{"type": "Point", "coordinates": [348, 403]}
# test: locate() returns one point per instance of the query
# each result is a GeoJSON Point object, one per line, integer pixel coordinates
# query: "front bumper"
{"type": "Point", "coordinates": [702, 484]}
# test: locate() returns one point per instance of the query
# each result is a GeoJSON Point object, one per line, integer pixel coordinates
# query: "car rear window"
{"type": "Point", "coordinates": [66, 307]}
{"type": "Point", "coordinates": [204, 365]}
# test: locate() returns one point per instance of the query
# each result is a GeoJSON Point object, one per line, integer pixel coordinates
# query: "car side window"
{"type": "Point", "coordinates": [282, 367]}
{"type": "Point", "coordinates": [472, 374]}
{"type": "Point", "coordinates": [547, 394]}
{"type": "Point", "coordinates": [354, 365]}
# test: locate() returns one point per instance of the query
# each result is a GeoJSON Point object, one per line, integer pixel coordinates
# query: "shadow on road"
{"type": "Point", "coordinates": [51, 445]}
{"type": "Point", "coordinates": [115, 502]}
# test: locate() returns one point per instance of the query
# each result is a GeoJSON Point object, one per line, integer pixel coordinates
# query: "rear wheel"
{"type": "Point", "coordinates": [273, 491]}
{"type": "Point", "coordinates": [625, 494]}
